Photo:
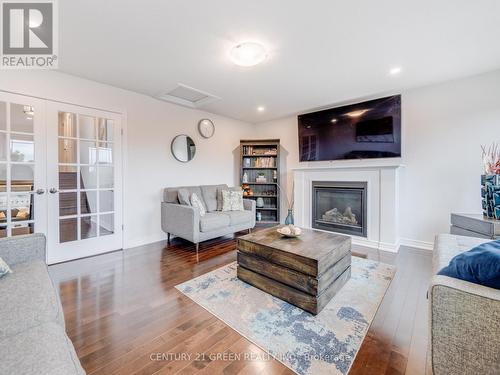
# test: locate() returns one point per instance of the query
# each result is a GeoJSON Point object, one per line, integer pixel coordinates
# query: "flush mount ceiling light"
{"type": "Point", "coordinates": [248, 54]}
{"type": "Point", "coordinates": [261, 109]}
{"type": "Point", "coordinates": [394, 71]}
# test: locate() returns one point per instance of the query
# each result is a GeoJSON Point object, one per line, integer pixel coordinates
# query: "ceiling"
{"type": "Point", "coordinates": [320, 52]}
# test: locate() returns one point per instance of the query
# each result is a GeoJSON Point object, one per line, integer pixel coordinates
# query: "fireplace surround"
{"type": "Point", "coordinates": [382, 197]}
{"type": "Point", "coordinates": [339, 206]}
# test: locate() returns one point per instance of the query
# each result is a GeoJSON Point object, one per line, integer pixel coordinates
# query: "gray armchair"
{"type": "Point", "coordinates": [464, 321]}
{"type": "Point", "coordinates": [185, 221]}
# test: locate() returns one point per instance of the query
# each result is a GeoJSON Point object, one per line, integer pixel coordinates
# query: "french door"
{"type": "Point", "coordinates": [84, 182]}
{"type": "Point", "coordinates": [23, 205]}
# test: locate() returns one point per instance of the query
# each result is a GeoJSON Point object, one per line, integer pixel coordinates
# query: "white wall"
{"type": "Point", "coordinates": [443, 128]}
{"type": "Point", "coordinates": [151, 126]}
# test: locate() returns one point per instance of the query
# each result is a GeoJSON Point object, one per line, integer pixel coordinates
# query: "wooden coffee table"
{"type": "Point", "coordinates": [306, 271]}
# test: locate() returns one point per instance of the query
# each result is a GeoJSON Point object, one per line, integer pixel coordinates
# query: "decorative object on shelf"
{"type": "Point", "coordinates": [247, 163]}
{"type": "Point", "coordinates": [245, 178]}
{"type": "Point", "coordinates": [206, 128]}
{"type": "Point", "coordinates": [290, 231]}
{"type": "Point", "coordinates": [261, 178]}
{"type": "Point", "coordinates": [247, 191]}
{"type": "Point", "coordinates": [490, 181]}
{"type": "Point", "coordinates": [490, 194]}
{"type": "Point", "coordinates": [275, 175]}
{"type": "Point", "coordinates": [183, 148]}
{"type": "Point", "coordinates": [491, 159]}
{"type": "Point", "coordinates": [259, 202]}
{"type": "Point", "coordinates": [259, 216]}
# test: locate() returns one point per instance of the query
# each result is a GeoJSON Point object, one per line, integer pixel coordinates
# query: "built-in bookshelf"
{"type": "Point", "coordinates": [259, 177]}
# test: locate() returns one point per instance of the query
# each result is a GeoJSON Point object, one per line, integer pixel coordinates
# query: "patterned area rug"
{"type": "Point", "coordinates": [323, 344]}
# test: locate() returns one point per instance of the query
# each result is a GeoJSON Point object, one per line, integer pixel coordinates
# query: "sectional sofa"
{"type": "Point", "coordinates": [33, 340]}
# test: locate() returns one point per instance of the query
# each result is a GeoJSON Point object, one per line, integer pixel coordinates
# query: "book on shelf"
{"type": "Point", "coordinates": [250, 150]}
{"type": "Point", "coordinates": [264, 163]}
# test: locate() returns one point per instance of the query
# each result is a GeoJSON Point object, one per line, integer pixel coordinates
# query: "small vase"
{"type": "Point", "coordinates": [259, 202]}
{"type": "Point", "coordinates": [289, 218]}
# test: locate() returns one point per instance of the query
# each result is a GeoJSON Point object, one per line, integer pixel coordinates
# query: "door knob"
{"type": "Point", "coordinates": [40, 191]}
{"type": "Point", "coordinates": [53, 190]}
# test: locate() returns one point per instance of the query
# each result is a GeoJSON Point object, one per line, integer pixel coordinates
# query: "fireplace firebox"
{"type": "Point", "coordinates": [339, 207]}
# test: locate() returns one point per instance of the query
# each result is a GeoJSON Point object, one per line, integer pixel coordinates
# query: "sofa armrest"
{"type": "Point", "coordinates": [180, 220]}
{"type": "Point", "coordinates": [250, 205]}
{"type": "Point", "coordinates": [21, 249]}
{"type": "Point", "coordinates": [464, 327]}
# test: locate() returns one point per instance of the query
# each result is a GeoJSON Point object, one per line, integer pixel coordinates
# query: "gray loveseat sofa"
{"type": "Point", "coordinates": [32, 334]}
{"type": "Point", "coordinates": [185, 221]}
{"type": "Point", "coordinates": [464, 319]}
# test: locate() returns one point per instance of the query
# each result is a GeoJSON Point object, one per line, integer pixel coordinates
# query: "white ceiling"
{"type": "Point", "coordinates": [320, 52]}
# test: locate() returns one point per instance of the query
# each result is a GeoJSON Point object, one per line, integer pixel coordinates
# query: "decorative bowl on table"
{"type": "Point", "coordinates": [289, 231]}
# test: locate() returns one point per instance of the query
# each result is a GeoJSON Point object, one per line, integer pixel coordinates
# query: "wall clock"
{"type": "Point", "coordinates": [206, 128]}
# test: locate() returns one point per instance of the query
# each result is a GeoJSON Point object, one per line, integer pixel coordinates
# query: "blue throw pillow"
{"type": "Point", "coordinates": [480, 265]}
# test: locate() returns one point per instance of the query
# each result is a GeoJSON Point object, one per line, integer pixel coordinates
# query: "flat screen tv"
{"type": "Point", "coordinates": [371, 129]}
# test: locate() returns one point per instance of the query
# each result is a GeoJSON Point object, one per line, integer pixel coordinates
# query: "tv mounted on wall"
{"type": "Point", "coordinates": [370, 129]}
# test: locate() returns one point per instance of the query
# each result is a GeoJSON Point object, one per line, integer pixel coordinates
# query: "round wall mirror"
{"type": "Point", "coordinates": [183, 148]}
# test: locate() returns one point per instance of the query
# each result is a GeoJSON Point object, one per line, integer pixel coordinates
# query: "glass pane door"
{"type": "Point", "coordinates": [21, 166]}
{"type": "Point", "coordinates": [86, 187]}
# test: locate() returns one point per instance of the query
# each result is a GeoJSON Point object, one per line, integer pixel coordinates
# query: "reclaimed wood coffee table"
{"type": "Point", "coordinates": [306, 271]}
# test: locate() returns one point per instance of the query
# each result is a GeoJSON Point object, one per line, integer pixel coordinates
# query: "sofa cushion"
{"type": "Point", "coordinates": [183, 197]}
{"type": "Point", "coordinates": [447, 246]}
{"type": "Point", "coordinates": [232, 200]}
{"type": "Point", "coordinates": [239, 217]}
{"type": "Point", "coordinates": [219, 195]}
{"type": "Point", "coordinates": [210, 195]}
{"type": "Point", "coordinates": [42, 350]}
{"type": "Point", "coordinates": [197, 203]}
{"type": "Point", "coordinates": [213, 221]}
{"type": "Point", "coordinates": [4, 268]}
{"type": "Point", "coordinates": [171, 195]}
{"type": "Point", "coordinates": [480, 265]}
{"type": "Point", "coordinates": [28, 299]}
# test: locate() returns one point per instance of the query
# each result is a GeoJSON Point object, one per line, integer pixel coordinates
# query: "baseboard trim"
{"type": "Point", "coordinates": [392, 248]}
{"type": "Point", "coordinates": [129, 244]}
{"type": "Point", "coordinates": [424, 245]}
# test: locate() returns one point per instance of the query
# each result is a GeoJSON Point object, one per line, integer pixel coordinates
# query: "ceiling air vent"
{"type": "Point", "coordinates": [187, 96]}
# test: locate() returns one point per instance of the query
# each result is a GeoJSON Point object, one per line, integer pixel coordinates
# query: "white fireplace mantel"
{"type": "Point", "coordinates": [382, 199]}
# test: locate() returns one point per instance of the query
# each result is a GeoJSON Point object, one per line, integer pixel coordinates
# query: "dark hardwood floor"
{"type": "Point", "coordinates": [121, 309]}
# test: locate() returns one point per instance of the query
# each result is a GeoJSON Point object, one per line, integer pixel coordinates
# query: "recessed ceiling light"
{"type": "Point", "coordinates": [248, 54]}
{"type": "Point", "coordinates": [333, 120]}
{"type": "Point", "coordinates": [395, 71]}
{"type": "Point", "coordinates": [261, 109]}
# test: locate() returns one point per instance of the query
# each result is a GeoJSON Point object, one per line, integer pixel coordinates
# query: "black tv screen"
{"type": "Point", "coordinates": [371, 129]}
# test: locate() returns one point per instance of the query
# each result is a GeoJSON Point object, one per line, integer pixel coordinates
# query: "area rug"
{"type": "Point", "coordinates": [323, 344]}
